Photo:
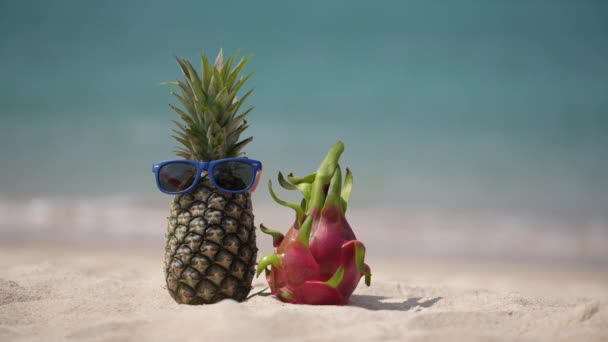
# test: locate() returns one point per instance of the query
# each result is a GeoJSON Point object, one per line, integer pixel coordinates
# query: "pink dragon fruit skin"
{"type": "Point", "coordinates": [319, 260]}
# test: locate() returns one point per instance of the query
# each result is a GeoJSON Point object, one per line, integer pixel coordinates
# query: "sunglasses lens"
{"type": "Point", "coordinates": [233, 175]}
{"type": "Point", "coordinates": [176, 177]}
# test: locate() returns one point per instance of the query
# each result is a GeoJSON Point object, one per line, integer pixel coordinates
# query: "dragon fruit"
{"type": "Point", "coordinates": [319, 260]}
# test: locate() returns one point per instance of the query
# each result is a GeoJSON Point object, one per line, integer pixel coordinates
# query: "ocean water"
{"type": "Point", "coordinates": [481, 108]}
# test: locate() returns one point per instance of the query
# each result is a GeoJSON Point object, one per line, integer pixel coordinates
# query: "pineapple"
{"type": "Point", "coordinates": [210, 251]}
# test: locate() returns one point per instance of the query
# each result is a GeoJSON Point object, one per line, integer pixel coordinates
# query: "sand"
{"type": "Point", "coordinates": [56, 294]}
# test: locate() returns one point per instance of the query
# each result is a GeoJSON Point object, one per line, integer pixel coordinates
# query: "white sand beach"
{"type": "Point", "coordinates": [93, 294]}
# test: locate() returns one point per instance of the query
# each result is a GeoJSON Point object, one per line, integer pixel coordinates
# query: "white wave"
{"type": "Point", "coordinates": [105, 216]}
{"type": "Point", "coordinates": [396, 233]}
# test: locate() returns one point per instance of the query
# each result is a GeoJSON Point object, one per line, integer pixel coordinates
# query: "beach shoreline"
{"type": "Point", "coordinates": [387, 232]}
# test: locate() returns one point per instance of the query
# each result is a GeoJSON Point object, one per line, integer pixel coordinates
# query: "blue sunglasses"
{"type": "Point", "coordinates": [231, 175]}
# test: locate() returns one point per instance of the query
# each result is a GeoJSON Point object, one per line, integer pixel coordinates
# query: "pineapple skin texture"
{"type": "Point", "coordinates": [210, 252]}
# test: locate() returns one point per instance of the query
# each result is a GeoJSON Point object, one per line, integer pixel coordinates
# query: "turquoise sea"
{"type": "Point", "coordinates": [470, 106]}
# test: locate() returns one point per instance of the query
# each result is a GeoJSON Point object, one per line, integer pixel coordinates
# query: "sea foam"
{"type": "Point", "coordinates": [408, 232]}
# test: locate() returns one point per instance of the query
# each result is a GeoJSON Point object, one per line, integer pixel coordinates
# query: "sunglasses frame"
{"type": "Point", "coordinates": [256, 166]}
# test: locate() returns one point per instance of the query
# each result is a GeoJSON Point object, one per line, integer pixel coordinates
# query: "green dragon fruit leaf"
{"type": "Point", "coordinates": [285, 184]}
{"type": "Point", "coordinates": [268, 260]}
{"type": "Point", "coordinates": [305, 189]}
{"type": "Point", "coordinates": [360, 262]}
{"type": "Point", "coordinates": [335, 188]}
{"type": "Point", "coordinates": [298, 180]}
{"type": "Point", "coordinates": [336, 279]}
{"type": "Point", "coordinates": [292, 205]}
{"type": "Point", "coordinates": [304, 233]}
{"type": "Point", "coordinates": [346, 188]}
{"type": "Point", "coordinates": [302, 186]}
{"type": "Point", "coordinates": [286, 295]}
{"type": "Point", "coordinates": [323, 177]}
{"type": "Point", "coordinates": [276, 235]}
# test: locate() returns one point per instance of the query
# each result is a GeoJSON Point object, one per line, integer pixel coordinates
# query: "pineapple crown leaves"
{"type": "Point", "coordinates": [211, 118]}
